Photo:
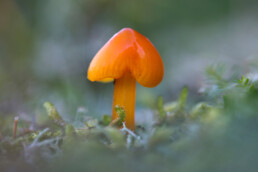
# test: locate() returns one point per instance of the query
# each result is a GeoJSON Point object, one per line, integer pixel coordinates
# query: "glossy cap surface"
{"type": "Point", "coordinates": [126, 51]}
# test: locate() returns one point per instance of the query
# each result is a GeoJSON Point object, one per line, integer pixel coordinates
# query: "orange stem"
{"type": "Point", "coordinates": [124, 96]}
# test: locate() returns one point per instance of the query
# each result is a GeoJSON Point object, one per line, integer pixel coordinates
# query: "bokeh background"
{"type": "Point", "coordinates": [46, 47]}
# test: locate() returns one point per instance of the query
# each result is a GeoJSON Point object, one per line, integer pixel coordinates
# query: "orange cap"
{"type": "Point", "coordinates": [126, 51]}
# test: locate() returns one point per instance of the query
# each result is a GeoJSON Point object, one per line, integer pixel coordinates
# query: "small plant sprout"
{"type": "Point", "coordinates": [15, 123]}
{"type": "Point", "coordinates": [126, 58]}
{"type": "Point", "coordinates": [53, 114]}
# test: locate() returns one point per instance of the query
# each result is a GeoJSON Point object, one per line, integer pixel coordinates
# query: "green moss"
{"type": "Point", "coordinates": [53, 114]}
{"type": "Point", "coordinates": [179, 140]}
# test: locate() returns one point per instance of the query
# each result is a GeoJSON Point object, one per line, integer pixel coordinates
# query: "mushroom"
{"type": "Point", "coordinates": [126, 58]}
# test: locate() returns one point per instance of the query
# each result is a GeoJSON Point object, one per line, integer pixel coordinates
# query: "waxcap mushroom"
{"type": "Point", "coordinates": [126, 58]}
{"type": "Point", "coordinates": [127, 50]}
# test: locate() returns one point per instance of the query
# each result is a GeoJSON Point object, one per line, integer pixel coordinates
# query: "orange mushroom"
{"type": "Point", "coordinates": [126, 58]}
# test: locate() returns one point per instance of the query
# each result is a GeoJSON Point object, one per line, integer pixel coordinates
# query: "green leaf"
{"type": "Point", "coordinates": [106, 119]}
{"type": "Point", "coordinates": [53, 114]}
{"type": "Point", "coordinates": [182, 99]}
{"type": "Point", "coordinates": [121, 116]}
{"type": "Point", "coordinates": [161, 111]}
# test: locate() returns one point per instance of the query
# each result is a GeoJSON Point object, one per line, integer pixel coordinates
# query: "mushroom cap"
{"type": "Point", "coordinates": [127, 51]}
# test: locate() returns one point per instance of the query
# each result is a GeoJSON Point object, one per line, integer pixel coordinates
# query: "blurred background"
{"type": "Point", "coordinates": [46, 47]}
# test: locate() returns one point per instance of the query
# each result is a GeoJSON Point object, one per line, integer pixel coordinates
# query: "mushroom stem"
{"type": "Point", "coordinates": [124, 96]}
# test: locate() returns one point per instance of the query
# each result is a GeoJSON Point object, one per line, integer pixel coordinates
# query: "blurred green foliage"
{"type": "Point", "coordinates": [210, 125]}
{"type": "Point", "coordinates": [217, 136]}
{"type": "Point", "coordinates": [46, 46]}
